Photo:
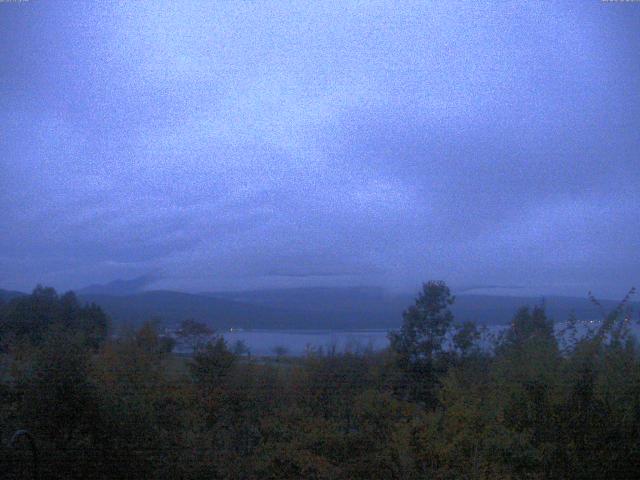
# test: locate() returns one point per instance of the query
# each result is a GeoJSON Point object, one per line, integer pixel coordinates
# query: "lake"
{"type": "Point", "coordinates": [298, 342]}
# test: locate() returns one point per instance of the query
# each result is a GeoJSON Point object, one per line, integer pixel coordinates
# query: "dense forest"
{"type": "Point", "coordinates": [92, 404]}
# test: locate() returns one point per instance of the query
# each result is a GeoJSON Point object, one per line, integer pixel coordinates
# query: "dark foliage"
{"type": "Point", "coordinates": [434, 405]}
{"type": "Point", "coordinates": [31, 317]}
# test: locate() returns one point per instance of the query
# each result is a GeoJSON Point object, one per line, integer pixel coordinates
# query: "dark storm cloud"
{"type": "Point", "coordinates": [250, 144]}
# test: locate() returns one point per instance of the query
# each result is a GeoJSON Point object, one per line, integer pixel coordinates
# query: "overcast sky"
{"type": "Point", "coordinates": [222, 145]}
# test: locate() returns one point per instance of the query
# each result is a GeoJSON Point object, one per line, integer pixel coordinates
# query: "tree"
{"type": "Point", "coordinates": [419, 343]}
{"type": "Point", "coordinates": [193, 333]}
{"type": "Point", "coordinates": [240, 348]}
{"type": "Point", "coordinates": [529, 388]}
{"type": "Point", "coordinates": [280, 351]}
{"type": "Point", "coordinates": [529, 327]}
{"type": "Point", "coordinates": [211, 363]}
{"type": "Point", "coordinates": [30, 317]}
{"type": "Point", "coordinates": [148, 339]}
{"type": "Point", "coordinates": [191, 327]}
{"type": "Point", "coordinates": [59, 401]}
{"type": "Point", "coordinates": [466, 338]}
{"type": "Point", "coordinates": [138, 416]}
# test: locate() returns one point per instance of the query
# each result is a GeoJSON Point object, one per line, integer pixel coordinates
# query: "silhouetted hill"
{"type": "Point", "coordinates": [312, 308]}
{"type": "Point", "coordinates": [172, 307]}
{"type": "Point", "coordinates": [322, 299]}
{"type": "Point", "coordinates": [118, 287]}
{"type": "Point", "coordinates": [6, 295]}
{"type": "Point", "coordinates": [319, 308]}
{"type": "Point", "coordinates": [386, 308]}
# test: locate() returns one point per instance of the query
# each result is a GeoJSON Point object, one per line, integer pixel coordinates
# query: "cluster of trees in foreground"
{"type": "Point", "coordinates": [97, 406]}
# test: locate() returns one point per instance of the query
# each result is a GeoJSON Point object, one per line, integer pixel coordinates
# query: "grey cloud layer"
{"type": "Point", "coordinates": [257, 145]}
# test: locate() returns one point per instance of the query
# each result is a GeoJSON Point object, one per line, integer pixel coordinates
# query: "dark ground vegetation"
{"type": "Point", "coordinates": [114, 408]}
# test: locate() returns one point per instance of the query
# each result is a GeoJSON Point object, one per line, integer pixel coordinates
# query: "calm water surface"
{"type": "Point", "coordinates": [298, 342]}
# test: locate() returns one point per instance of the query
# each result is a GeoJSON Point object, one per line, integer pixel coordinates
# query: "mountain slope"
{"type": "Point", "coordinates": [118, 287]}
{"type": "Point", "coordinates": [313, 308]}
{"type": "Point", "coordinates": [172, 307]}
{"type": "Point", "coordinates": [6, 295]}
{"type": "Point", "coordinates": [388, 308]}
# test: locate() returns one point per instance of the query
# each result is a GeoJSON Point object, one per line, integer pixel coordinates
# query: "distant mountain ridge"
{"type": "Point", "coordinates": [119, 287]}
{"type": "Point", "coordinates": [321, 308]}
{"type": "Point", "coordinates": [385, 309]}
{"type": "Point", "coordinates": [6, 295]}
{"type": "Point", "coordinates": [221, 313]}
{"type": "Point", "coordinates": [346, 299]}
